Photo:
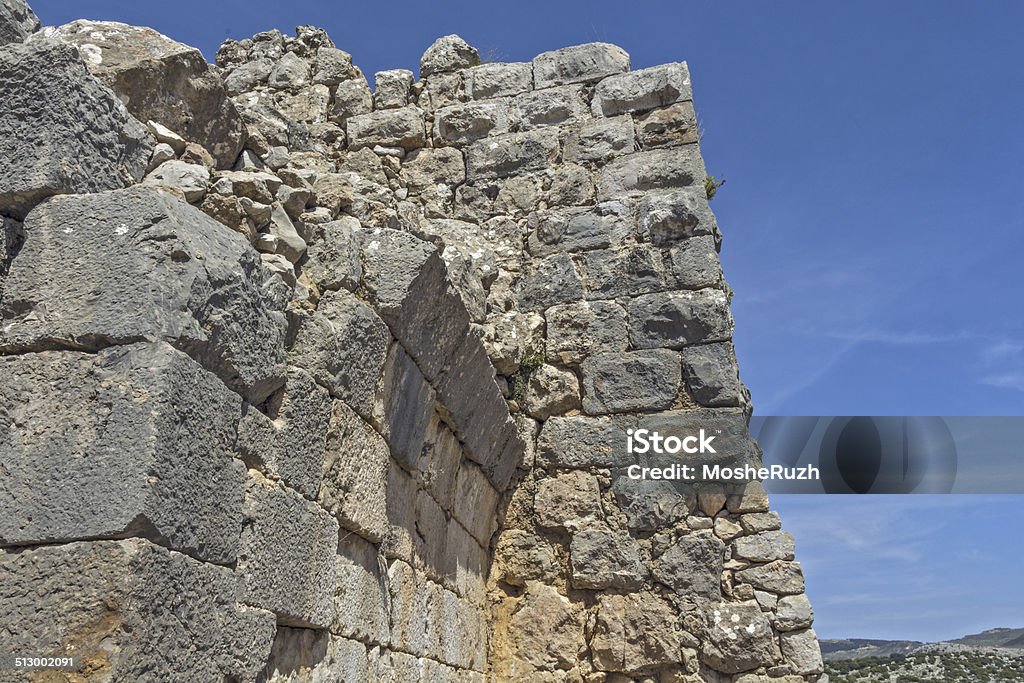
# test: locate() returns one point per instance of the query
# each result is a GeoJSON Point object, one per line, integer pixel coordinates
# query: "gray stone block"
{"type": "Point", "coordinates": [653, 505]}
{"type": "Point", "coordinates": [332, 257]}
{"type": "Point", "coordinates": [603, 559]}
{"type": "Point", "coordinates": [659, 169]}
{"type": "Point", "coordinates": [631, 381]}
{"type": "Point", "coordinates": [550, 107]}
{"type": "Point", "coordinates": [576, 229]}
{"type": "Point", "coordinates": [448, 53]}
{"type": "Point", "coordinates": [579, 63]}
{"type": "Point", "coordinates": [600, 140]}
{"type": "Point", "coordinates": [476, 503]}
{"type": "Point", "coordinates": [667, 217]}
{"type": "Point", "coordinates": [611, 273]}
{"type": "Point", "coordinates": [674, 319]}
{"type": "Point", "coordinates": [302, 654]}
{"type": "Point", "coordinates": [581, 442]}
{"type": "Point", "coordinates": [402, 127]}
{"type": "Point", "coordinates": [802, 652]}
{"type": "Point", "coordinates": [360, 598]}
{"type": "Point", "coordinates": [461, 124]}
{"type": "Point", "coordinates": [61, 131]}
{"type": "Point", "coordinates": [355, 483]}
{"type": "Point", "coordinates": [118, 267]}
{"type": "Point", "coordinates": [286, 561]}
{"type": "Point", "coordinates": [425, 169]}
{"type": "Point", "coordinates": [577, 330]}
{"type": "Point", "coordinates": [289, 442]}
{"type": "Point", "coordinates": [779, 577]}
{"type": "Point", "coordinates": [692, 567]}
{"type": "Point", "coordinates": [635, 632]}
{"type": "Point", "coordinates": [141, 445]}
{"type": "Point", "coordinates": [738, 638]}
{"type": "Point", "coordinates": [695, 263]}
{"type": "Point", "coordinates": [131, 608]}
{"type": "Point", "coordinates": [499, 79]}
{"type": "Point", "coordinates": [511, 154]}
{"type": "Point", "coordinates": [712, 376]}
{"type": "Point", "coordinates": [793, 612]}
{"type": "Point", "coordinates": [668, 126]}
{"type": "Point", "coordinates": [162, 80]}
{"type": "Point", "coordinates": [641, 90]}
{"type": "Point", "coordinates": [17, 21]}
{"type": "Point", "coordinates": [548, 282]}
{"type": "Point", "coordinates": [764, 547]}
{"type": "Point", "coordinates": [403, 407]}
{"type": "Point", "coordinates": [343, 345]}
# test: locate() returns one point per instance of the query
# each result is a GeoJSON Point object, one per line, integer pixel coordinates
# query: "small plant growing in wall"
{"type": "Point", "coordinates": [711, 185]}
{"type": "Point", "coordinates": [528, 364]}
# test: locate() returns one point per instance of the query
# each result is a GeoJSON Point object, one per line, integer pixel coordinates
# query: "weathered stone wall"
{"type": "Point", "coordinates": [303, 381]}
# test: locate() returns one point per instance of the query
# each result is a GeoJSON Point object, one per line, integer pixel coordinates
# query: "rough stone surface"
{"type": "Point", "coordinates": [17, 21]}
{"type": "Point", "coordinates": [67, 131]}
{"type": "Point", "coordinates": [206, 294]}
{"type": "Point", "coordinates": [739, 637]}
{"type": "Point", "coordinates": [588, 62]}
{"type": "Point", "coordinates": [642, 90]}
{"type": "Point", "coordinates": [711, 375]}
{"type": "Point", "coordinates": [802, 651]}
{"type": "Point", "coordinates": [635, 632]}
{"type": "Point", "coordinates": [632, 381]}
{"type": "Point", "coordinates": [282, 530]}
{"type": "Point", "coordinates": [603, 559]}
{"type": "Point", "coordinates": [675, 319]}
{"type": "Point", "coordinates": [161, 80]}
{"type": "Point", "coordinates": [570, 501]}
{"type": "Point", "coordinates": [448, 53]}
{"type": "Point", "coordinates": [692, 566]}
{"type": "Point", "coordinates": [131, 608]}
{"type": "Point", "coordinates": [141, 446]}
{"type": "Point", "coordinates": [783, 578]}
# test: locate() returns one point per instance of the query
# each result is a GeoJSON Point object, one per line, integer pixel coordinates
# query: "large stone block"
{"type": "Point", "coordinates": [631, 381]}
{"type": "Point", "coordinates": [802, 651]}
{"type": "Point", "coordinates": [425, 169]}
{"type": "Point", "coordinates": [511, 154]}
{"type": "Point", "coordinates": [581, 442]}
{"type": "Point", "coordinates": [600, 140]}
{"type": "Point", "coordinates": [343, 345]}
{"type": "Point", "coordinates": [134, 440]}
{"type": "Point", "coordinates": [695, 263]}
{"type": "Point", "coordinates": [692, 567]}
{"type": "Point", "coordinates": [546, 630]}
{"type": "Point", "coordinates": [667, 217]}
{"type": "Point", "coordinates": [302, 655]}
{"type": "Point", "coordinates": [290, 441]}
{"type": "Point", "coordinates": [61, 130]}
{"type": "Point", "coordinates": [17, 21]}
{"type": "Point", "coordinates": [675, 319]}
{"type": "Point", "coordinates": [117, 267]}
{"type": "Point", "coordinates": [461, 124]}
{"type": "Point", "coordinates": [577, 330]}
{"type": "Point", "coordinates": [653, 505]}
{"type": "Point", "coordinates": [402, 127]}
{"type": "Point", "coordinates": [403, 407]}
{"type": "Point", "coordinates": [611, 273]}
{"type": "Point", "coordinates": [499, 80]}
{"type": "Point", "coordinates": [548, 282]}
{"type": "Point", "coordinates": [764, 547]}
{"type": "Point", "coordinates": [659, 169]}
{"type": "Point", "coordinates": [520, 556]}
{"type": "Point", "coordinates": [409, 596]}
{"type": "Point", "coordinates": [579, 63]}
{"type": "Point", "coordinates": [360, 598]}
{"type": "Point", "coordinates": [641, 90]}
{"type": "Point", "coordinates": [712, 376]}
{"type": "Point", "coordinates": [162, 80]}
{"type": "Point", "coordinates": [476, 503]}
{"type": "Point", "coordinates": [131, 610]}
{"type": "Point", "coordinates": [355, 485]}
{"type": "Point", "coordinates": [603, 559]}
{"type": "Point", "coordinates": [332, 257]}
{"type": "Point", "coordinates": [794, 612]}
{"type": "Point", "coordinates": [550, 107]}
{"type": "Point", "coordinates": [577, 229]}
{"type": "Point", "coordinates": [635, 632]}
{"type": "Point", "coordinates": [738, 638]}
{"type": "Point", "coordinates": [286, 561]}
{"type": "Point", "coordinates": [448, 53]}
{"type": "Point", "coordinates": [668, 126]}
{"type": "Point", "coordinates": [779, 577]}
{"type": "Point", "coordinates": [570, 501]}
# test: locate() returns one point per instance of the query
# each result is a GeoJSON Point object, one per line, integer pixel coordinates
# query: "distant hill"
{"type": "Point", "coordinates": [996, 637]}
{"type": "Point", "coordinates": [993, 656]}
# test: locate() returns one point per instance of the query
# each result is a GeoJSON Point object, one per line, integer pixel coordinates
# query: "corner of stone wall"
{"type": "Point", "coordinates": [345, 373]}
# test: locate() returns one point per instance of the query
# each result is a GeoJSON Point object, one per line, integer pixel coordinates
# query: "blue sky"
{"type": "Point", "coordinates": [873, 221]}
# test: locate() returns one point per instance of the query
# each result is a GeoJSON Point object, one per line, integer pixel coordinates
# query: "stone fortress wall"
{"type": "Point", "coordinates": [307, 382]}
